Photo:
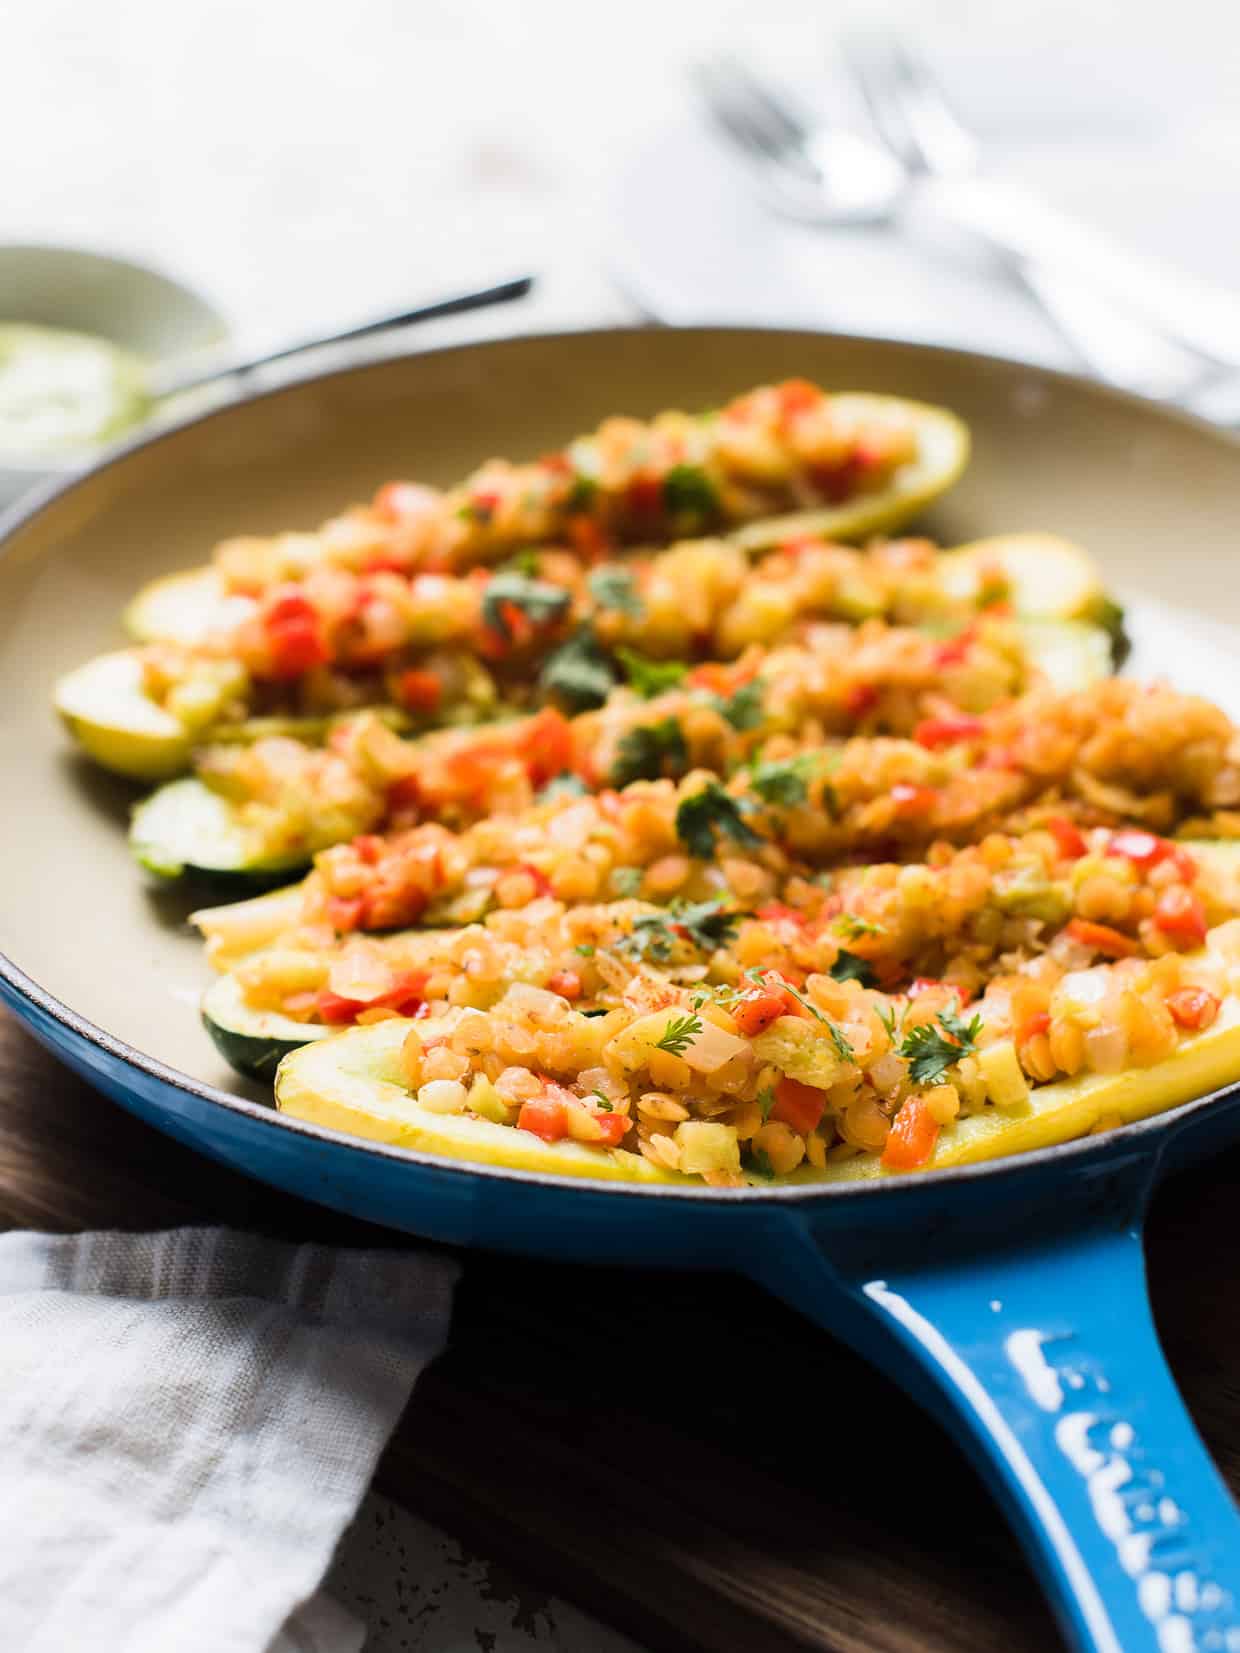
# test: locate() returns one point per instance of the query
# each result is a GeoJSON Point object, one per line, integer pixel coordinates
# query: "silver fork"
{"type": "Point", "coordinates": [916, 121]}
{"type": "Point", "coordinates": [825, 175]}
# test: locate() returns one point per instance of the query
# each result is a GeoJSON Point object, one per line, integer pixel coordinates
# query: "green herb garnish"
{"type": "Point", "coordinates": [679, 1034]}
{"type": "Point", "coordinates": [612, 586]}
{"type": "Point", "coordinates": [708, 812]}
{"type": "Point", "coordinates": [626, 881]}
{"type": "Point", "coordinates": [705, 925]}
{"type": "Point", "coordinates": [648, 751]}
{"type": "Point", "coordinates": [762, 1163]}
{"type": "Point", "coordinates": [604, 1102]}
{"type": "Point", "coordinates": [852, 927]}
{"type": "Point", "coordinates": [930, 1053]}
{"type": "Point", "coordinates": [766, 1101]}
{"type": "Point", "coordinates": [782, 783]}
{"type": "Point", "coordinates": [742, 709]}
{"type": "Point", "coordinates": [650, 677]}
{"type": "Point", "coordinates": [587, 949]}
{"type": "Point", "coordinates": [579, 674]}
{"type": "Point", "coordinates": [687, 489]}
{"type": "Point", "coordinates": [581, 494]}
{"type": "Point", "coordinates": [538, 600]}
{"type": "Point", "coordinates": [852, 967]}
{"type": "Point", "coordinates": [593, 1012]}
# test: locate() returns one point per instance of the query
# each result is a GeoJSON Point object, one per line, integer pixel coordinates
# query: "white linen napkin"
{"type": "Point", "coordinates": [188, 1422]}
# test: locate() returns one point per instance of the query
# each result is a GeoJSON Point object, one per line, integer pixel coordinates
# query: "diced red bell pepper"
{"type": "Point", "coordinates": [546, 745]}
{"type": "Point", "coordinates": [955, 649]}
{"type": "Point", "coordinates": [1193, 1007]}
{"type": "Point", "coordinates": [613, 1127]}
{"type": "Point", "coordinates": [543, 1117]}
{"type": "Point", "coordinates": [1179, 913]}
{"type": "Point", "coordinates": [947, 731]}
{"type": "Point", "coordinates": [644, 496]}
{"type": "Point", "coordinates": [567, 983]}
{"type": "Point", "coordinates": [294, 636]}
{"type": "Point", "coordinates": [912, 800]}
{"type": "Point", "coordinates": [419, 690]}
{"type": "Point", "coordinates": [1032, 1025]}
{"type": "Point", "coordinates": [1068, 840]}
{"type": "Point", "coordinates": [860, 699]}
{"type": "Point", "coordinates": [775, 912]}
{"type": "Point", "coordinates": [1112, 944]}
{"type": "Point", "coordinates": [914, 1132]}
{"type": "Point", "coordinates": [345, 913]}
{"type": "Point", "coordinates": [756, 1011]}
{"type": "Point", "coordinates": [368, 848]}
{"type": "Point", "coordinates": [797, 396]}
{"type": "Point", "coordinates": [800, 1106]}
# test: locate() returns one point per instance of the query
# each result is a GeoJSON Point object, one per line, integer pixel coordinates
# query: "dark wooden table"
{"type": "Point", "coordinates": [677, 1453]}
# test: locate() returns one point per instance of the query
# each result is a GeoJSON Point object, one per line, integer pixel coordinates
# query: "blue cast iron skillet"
{"type": "Point", "coordinates": [1009, 1297]}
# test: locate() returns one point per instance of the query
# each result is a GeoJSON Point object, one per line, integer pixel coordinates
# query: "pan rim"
{"type": "Point", "coordinates": [25, 988]}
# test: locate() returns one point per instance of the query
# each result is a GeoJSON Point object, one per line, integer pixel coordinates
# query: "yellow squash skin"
{"type": "Point", "coordinates": [350, 1083]}
{"type": "Point", "coordinates": [943, 453]}
{"type": "Point", "coordinates": [184, 608]}
{"type": "Point", "coordinates": [104, 706]}
{"type": "Point", "coordinates": [353, 1091]}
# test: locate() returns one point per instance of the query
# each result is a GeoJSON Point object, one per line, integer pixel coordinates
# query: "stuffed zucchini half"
{"type": "Point", "coordinates": [865, 464]}
{"type": "Point", "coordinates": [189, 827]}
{"type": "Point", "coordinates": [243, 1011]}
{"type": "Point", "coordinates": [357, 1083]}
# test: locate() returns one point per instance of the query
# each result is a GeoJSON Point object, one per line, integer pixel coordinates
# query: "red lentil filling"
{"type": "Point", "coordinates": [776, 449]}
{"type": "Point", "coordinates": [765, 1075]}
{"type": "Point", "coordinates": [874, 677]}
{"type": "Point", "coordinates": [545, 625]}
{"type": "Point", "coordinates": [1051, 900]}
{"type": "Point", "coordinates": [1119, 751]}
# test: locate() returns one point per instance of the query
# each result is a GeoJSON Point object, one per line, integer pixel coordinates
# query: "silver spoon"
{"type": "Point", "coordinates": [171, 381]}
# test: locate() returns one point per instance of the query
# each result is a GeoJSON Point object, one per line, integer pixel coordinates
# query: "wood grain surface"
{"type": "Point", "coordinates": [685, 1458]}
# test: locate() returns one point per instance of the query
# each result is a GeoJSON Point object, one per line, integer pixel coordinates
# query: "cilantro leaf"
{"type": "Point", "coordinates": [705, 925]}
{"type": "Point", "coordinates": [679, 1034]}
{"type": "Point", "coordinates": [612, 586]}
{"type": "Point", "coordinates": [688, 490]}
{"type": "Point", "coordinates": [762, 1163]}
{"type": "Point", "coordinates": [587, 949]}
{"type": "Point", "coordinates": [521, 562]}
{"type": "Point", "coordinates": [708, 812]}
{"type": "Point", "coordinates": [781, 783]}
{"type": "Point", "coordinates": [579, 674]}
{"type": "Point", "coordinates": [650, 750]}
{"type": "Point", "coordinates": [743, 708]}
{"type": "Point", "coordinates": [650, 677]}
{"type": "Point", "coordinates": [852, 967]}
{"type": "Point", "coordinates": [538, 600]}
{"type": "Point", "coordinates": [581, 494]}
{"type": "Point", "coordinates": [930, 1053]}
{"type": "Point", "coordinates": [851, 926]}
{"type": "Point", "coordinates": [766, 1101]}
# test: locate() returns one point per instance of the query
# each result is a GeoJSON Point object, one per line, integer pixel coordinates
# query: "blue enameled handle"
{"type": "Point", "coordinates": [1045, 1361]}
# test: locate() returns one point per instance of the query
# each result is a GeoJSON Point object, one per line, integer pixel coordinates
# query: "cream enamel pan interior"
{"type": "Point", "coordinates": [1156, 497]}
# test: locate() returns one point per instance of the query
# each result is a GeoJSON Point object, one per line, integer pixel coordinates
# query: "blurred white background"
{"type": "Point", "coordinates": [305, 161]}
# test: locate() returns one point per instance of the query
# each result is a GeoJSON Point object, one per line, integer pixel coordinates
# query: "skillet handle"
{"type": "Point", "coordinates": [1045, 1363]}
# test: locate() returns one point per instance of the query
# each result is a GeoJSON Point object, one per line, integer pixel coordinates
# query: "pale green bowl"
{"type": "Point", "coordinates": [152, 315]}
